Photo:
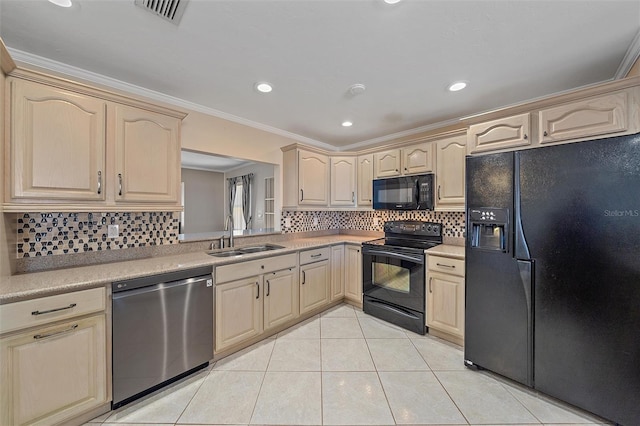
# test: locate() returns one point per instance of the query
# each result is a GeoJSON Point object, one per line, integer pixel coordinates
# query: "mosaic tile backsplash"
{"type": "Point", "coordinates": [48, 234]}
{"type": "Point", "coordinates": [302, 221]}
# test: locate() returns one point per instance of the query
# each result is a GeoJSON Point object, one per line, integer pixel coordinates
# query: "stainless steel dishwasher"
{"type": "Point", "coordinates": [162, 330]}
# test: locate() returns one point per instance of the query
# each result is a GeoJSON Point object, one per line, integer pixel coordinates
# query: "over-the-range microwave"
{"type": "Point", "coordinates": [403, 193]}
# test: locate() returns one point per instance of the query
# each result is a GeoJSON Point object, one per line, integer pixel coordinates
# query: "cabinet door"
{"type": "Point", "coordinates": [281, 300]}
{"type": "Point", "coordinates": [450, 174]}
{"type": "Point", "coordinates": [147, 148]}
{"type": "Point", "coordinates": [314, 286]}
{"type": "Point", "coordinates": [343, 181]}
{"type": "Point", "coordinates": [387, 163]}
{"type": "Point", "coordinates": [52, 374]}
{"type": "Point", "coordinates": [57, 143]}
{"type": "Point", "coordinates": [503, 133]}
{"type": "Point", "coordinates": [313, 178]}
{"type": "Point", "coordinates": [590, 117]}
{"type": "Point", "coordinates": [353, 274]}
{"type": "Point", "coordinates": [238, 311]}
{"type": "Point", "coordinates": [337, 272]}
{"type": "Point", "coordinates": [365, 180]}
{"type": "Point", "coordinates": [445, 303]}
{"type": "Point", "coordinates": [417, 159]}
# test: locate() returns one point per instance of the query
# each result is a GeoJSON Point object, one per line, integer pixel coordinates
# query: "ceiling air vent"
{"type": "Point", "coordinates": [171, 10]}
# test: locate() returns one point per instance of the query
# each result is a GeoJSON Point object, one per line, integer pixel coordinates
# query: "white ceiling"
{"type": "Point", "coordinates": [313, 50]}
{"type": "Point", "coordinates": [212, 163]}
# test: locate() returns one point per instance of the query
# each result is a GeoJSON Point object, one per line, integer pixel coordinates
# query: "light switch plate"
{"type": "Point", "coordinates": [315, 221]}
{"type": "Point", "coordinates": [376, 221]}
{"type": "Point", "coordinates": [112, 231]}
{"type": "Point", "coordinates": [287, 222]}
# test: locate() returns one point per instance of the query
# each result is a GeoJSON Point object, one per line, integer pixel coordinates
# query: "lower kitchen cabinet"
{"type": "Point", "coordinates": [337, 272]}
{"type": "Point", "coordinates": [315, 279]}
{"type": "Point", "coordinates": [238, 311]}
{"type": "Point", "coordinates": [445, 297]}
{"type": "Point", "coordinates": [353, 273]}
{"type": "Point", "coordinates": [280, 297]}
{"type": "Point", "coordinates": [53, 373]}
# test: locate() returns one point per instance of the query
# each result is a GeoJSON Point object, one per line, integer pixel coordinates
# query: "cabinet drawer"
{"type": "Point", "coordinates": [309, 256]}
{"type": "Point", "coordinates": [445, 265]}
{"type": "Point", "coordinates": [29, 313]}
{"type": "Point", "coordinates": [249, 268]}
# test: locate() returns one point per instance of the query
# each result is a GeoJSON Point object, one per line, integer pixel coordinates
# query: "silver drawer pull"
{"type": "Point", "coordinates": [73, 305]}
{"type": "Point", "coordinates": [446, 266]}
{"type": "Point", "coordinates": [316, 255]}
{"type": "Point", "coordinates": [44, 336]}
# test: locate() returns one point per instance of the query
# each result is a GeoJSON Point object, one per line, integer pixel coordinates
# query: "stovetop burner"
{"type": "Point", "coordinates": [410, 234]}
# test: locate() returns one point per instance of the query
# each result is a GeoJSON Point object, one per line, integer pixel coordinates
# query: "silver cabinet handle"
{"type": "Point", "coordinates": [268, 288]}
{"type": "Point", "coordinates": [301, 194]}
{"type": "Point", "coordinates": [258, 295]}
{"type": "Point", "coordinates": [430, 280]}
{"type": "Point", "coordinates": [304, 278]}
{"type": "Point", "coordinates": [99, 182]}
{"type": "Point", "coordinates": [44, 336]}
{"type": "Point", "coordinates": [446, 266]}
{"type": "Point", "coordinates": [73, 305]}
{"type": "Point", "coordinates": [120, 183]}
{"type": "Point", "coordinates": [438, 192]}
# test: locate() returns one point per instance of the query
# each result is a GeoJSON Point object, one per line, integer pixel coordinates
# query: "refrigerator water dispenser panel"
{"type": "Point", "coordinates": [489, 228]}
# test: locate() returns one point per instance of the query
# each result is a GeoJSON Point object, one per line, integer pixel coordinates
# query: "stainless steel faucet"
{"type": "Point", "coordinates": [229, 221]}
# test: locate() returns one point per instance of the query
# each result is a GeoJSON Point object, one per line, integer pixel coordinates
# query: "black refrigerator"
{"type": "Point", "coordinates": [553, 272]}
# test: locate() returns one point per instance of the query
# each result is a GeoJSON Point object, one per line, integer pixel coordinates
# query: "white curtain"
{"type": "Point", "coordinates": [246, 199]}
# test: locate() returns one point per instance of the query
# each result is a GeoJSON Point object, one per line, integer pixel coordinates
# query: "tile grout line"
{"type": "Point", "coordinates": [264, 376]}
{"type": "Point", "coordinates": [195, 393]}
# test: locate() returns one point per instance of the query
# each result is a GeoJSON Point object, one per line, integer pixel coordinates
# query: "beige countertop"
{"type": "Point", "coordinates": [39, 284]}
{"type": "Point", "coordinates": [456, 252]}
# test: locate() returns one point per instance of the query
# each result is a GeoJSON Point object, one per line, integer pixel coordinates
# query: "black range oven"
{"type": "Point", "coordinates": [393, 272]}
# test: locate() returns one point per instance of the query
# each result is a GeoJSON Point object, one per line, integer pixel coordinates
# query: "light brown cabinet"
{"type": "Point", "coordinates": [503, 133]}
{"type": "Point", "coordinates": [75, 148]}
{"type": "Point", "coordinates": [450, 173]}
{"type": "Point", "coordinates": [306, 178]}
{"type": "Point", "coordinates": [337, 272]}
{"type": "Point", "coordinates": [57, 370]}
{"type": "Point", "coordinates": [594, 116]}
{"type": "Point", "coordinates": [315, 279]}
{"type": "Point", "coordinates": [409, 160]}
{"type": "Point", "coordinates": [343, 181]}
{"type": "Point", "coordinates": [254, 296]}
{"type": "Point", "coordinates": [353, 274]}
{"type": "Point", "coordinates": [58, 143]}
{"type": "Point", "coordinates": [445, 296]}
{"type": "Point", "coordinates": [365, 180]}
{"type": "Point", "coordinates": [147, 147]}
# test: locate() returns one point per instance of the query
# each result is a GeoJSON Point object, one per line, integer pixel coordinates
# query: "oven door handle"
{"type": "Point", "coordinates": [416, 259]}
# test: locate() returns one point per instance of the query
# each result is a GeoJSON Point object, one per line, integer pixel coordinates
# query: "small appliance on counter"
{"type": "Point", "coordinates": [403, 193]}
{"type": "Point", "coordinates": [393, 272]}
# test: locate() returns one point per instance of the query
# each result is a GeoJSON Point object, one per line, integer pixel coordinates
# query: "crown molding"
{"type": "Point", "coordinates": [69, 70]}
{"type": "Point", "coordinates": [632, 55]}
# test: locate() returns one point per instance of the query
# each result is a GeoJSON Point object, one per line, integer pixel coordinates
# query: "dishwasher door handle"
{"type": "Point", "coordinates": [121, 294]}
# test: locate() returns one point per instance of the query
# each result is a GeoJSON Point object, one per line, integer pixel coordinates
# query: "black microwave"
{"type": "Point", "coordinates": [403, 193]}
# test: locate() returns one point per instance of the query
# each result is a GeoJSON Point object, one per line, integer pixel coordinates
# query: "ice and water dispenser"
{"type": "Point", "coordinates": [489, 228]}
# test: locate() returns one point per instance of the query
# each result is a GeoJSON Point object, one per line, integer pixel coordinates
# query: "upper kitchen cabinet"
{"type": "Point", "coordinates": [343, 181]}
{"type": "Point", "coordinates": [509, 132]}
{"type": "Point", "coordinates": [594, 116]}
{"type": "Point", "coordinates": [413, 159]}
{"type": "Point", "coordinates": [450, 173]}
{"type": "Point", "coordinates": [57, 144]}
{"type": "Point", "coordinates": [73, 147]}
{"type": "Point", "coordinates": [310, 170]}
{"type": "Point", "coordinates": [365, 180]}
{"type": "Point", "coordinates": [147, 149]}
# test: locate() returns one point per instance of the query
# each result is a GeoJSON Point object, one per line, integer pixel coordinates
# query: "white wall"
{"type": "Point", "coordinates": [260, 172]}
{"type": "Point", "coordinates": [203, 201]}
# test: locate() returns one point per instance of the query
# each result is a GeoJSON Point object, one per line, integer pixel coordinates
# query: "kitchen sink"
{"type": "Point", "coordinates": [245, 250]}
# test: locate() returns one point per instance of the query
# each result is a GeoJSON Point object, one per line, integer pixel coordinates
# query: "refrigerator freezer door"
{"type": "Point", "coordinates": [581, 215]}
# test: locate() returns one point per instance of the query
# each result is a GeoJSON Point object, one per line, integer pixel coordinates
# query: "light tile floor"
{"type": "Point", "coordinates": [344, 367]}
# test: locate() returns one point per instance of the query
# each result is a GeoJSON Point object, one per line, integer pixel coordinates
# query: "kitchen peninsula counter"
{"type": "Point", "coordinates": [39, 284]}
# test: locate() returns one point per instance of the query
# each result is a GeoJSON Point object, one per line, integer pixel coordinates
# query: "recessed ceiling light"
{"type": "Point", "coordinates": [356, 89]}
{"type": "Point", "coordinates": [62, 3]}
{"type": "Point", "coordinates": [264, 87]}
{"type": "Point", "coordinates": [391, 1]}
{"type": "Point", "coordinates": [458, 85]}
{"type": "Point", "coordinates": [347, 123]}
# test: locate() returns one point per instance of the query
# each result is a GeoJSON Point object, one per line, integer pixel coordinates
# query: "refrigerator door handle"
{"type": "Point", "coordinates": [527, 278]}
{"type": "Point", "coordinates": [521, 248]}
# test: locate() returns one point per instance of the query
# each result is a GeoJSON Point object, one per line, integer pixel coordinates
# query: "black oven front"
{"type": "Point", "coordinates": [393, 281]}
